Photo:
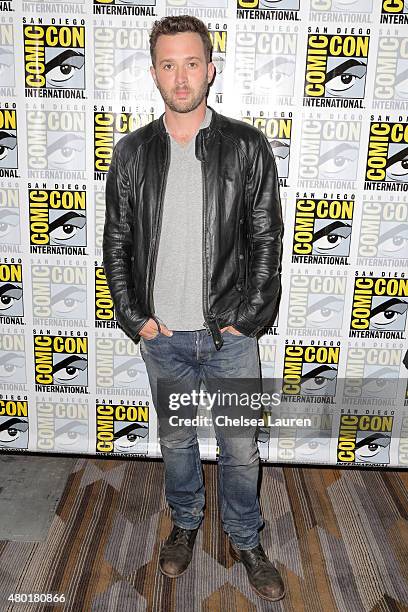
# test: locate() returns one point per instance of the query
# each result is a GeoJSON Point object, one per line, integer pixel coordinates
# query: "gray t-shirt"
{"type": "Point", "coordinates": [177, 292]}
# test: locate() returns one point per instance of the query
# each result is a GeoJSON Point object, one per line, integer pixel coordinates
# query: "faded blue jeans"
{"type": "Point", "coordinates": [190, 358]}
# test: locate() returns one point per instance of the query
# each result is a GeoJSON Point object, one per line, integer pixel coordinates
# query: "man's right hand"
{"type": "Point", "coordinates": [150, 330]}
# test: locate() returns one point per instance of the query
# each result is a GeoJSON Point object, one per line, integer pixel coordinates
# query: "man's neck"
{"type": "Point", "coordinates": [183, 126]}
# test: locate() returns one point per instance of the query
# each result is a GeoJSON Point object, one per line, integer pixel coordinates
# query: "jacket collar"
{"type": "Point", "coordinates": [204, 132]}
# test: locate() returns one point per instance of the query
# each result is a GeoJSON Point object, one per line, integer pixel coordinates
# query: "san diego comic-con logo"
{"type": "Point", "coordinates": [10, 227]}
{"type": "Point", "coordinates": [14, 426]}
{"type": "Point", "coordinates": [391, 74]}
{"type": "Point", "coordinates": [109, 128]}
{"type": "Point", "coordinates": [8, 142]}
{"type": "Point", "coordinates": [54, 57]}
{"type": "Point", "coordinates": [309, 444]}
{"type": "Point", "coordinates": [278, 131]}
{"type": "Point", "coordinates": [56, 144]}
{"type": "Point", "coordinates": [59, 294]}
{"type": "Point", "coordinates": [12, 361]}
{"type": "Point", "coordinates": [379, 307]}
{"type": "Point", "coordinates": [310, 372]}
{"type": "Point", "coordinates": [364, 439]}
{"type": "Point", "coordinates": [121, 63]}
{"type": "Point", "coordinates": [383, 237]}
{"type": "Point", "coordinates": [316, 304]}
{"type": "Point", "coordinates": [268, 9]}
{"type": "Point", "coordinates": [142, 8]}
{"type": "Point", "coordinates": [341, 11]}
{"type": "Point", "coordinates": [57, 221]}
{"type": "Point", "coordinates": [394, 11]}
{"type": "Point", "coordinates": [11, 293]}
{"type": "Point", "coordinates": [329, 153]}
{"type": "Point", "coordinates": [372, 373]}
{"type": "Point", "coordinates": [387, 156]}
{"type": "Point", "coordinates": [61, 363]}
{"type": "Point", "coordinates": [336, 68]}
{"type": "Point", "coordinates": [322, 232]}
{"type": "Point", "coordinates": [104, 308]}
{"type": "Point", "coordinates": [7, 69]}
{"type": "Point", "coordinates": [120, 370]}
{"type": "Point", "coordinates": [265, 65]}
{"type": "Point", "coordinates": [62, 426]}
{"type": "Point", "coordinates": [122, 429]}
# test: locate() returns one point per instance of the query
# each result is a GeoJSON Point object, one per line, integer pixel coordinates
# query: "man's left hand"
{"type": "Point", "coordinates": [231, 329]}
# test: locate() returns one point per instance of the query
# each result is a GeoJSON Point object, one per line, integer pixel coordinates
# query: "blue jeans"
{"type": "Point", "coordinates": [189, 359]}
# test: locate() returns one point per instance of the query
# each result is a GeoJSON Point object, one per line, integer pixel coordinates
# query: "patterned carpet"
{"type": "Point", "coordinates": [339, 537]}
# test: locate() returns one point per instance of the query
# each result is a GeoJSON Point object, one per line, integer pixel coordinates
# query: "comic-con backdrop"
{"type": "Point", "coordinates": [327, 82]}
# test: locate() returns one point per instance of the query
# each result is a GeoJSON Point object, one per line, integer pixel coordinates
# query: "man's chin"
{"type": "Point", "coordinates": [183, 107]}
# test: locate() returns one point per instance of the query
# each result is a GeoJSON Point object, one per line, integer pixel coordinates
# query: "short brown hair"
{"type": "Point", "coordinates": [176, 25]}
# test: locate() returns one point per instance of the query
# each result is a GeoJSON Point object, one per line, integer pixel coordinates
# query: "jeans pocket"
{"type": "Point", "coordinates": [152, 339]}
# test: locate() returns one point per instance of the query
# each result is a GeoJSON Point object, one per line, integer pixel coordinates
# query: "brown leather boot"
{"type": "Point", "coordinates": [177, 551]}
{"type": "Point", "coordinates": [263, 577]}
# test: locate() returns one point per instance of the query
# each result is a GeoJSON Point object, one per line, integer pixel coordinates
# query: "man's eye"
{"type": "Point", "coordinates": [192, 64]}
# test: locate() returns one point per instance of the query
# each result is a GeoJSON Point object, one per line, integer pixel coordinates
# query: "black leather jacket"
{"type": "Point", "coordinates": [242, 225]}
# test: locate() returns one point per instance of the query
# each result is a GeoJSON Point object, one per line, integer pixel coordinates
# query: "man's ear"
{"type": "Point", "coordinates": [153, 73]}
{"type": "Point", "coordinates": [210, 72]}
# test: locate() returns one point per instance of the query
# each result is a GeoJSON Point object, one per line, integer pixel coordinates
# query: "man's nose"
{"type": "Point", "coordinates": [181, 75]}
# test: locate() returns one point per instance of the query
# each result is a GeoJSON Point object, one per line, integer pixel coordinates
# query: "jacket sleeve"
{"type": "Point", "coordinates": [117, 248]}
{"type": "Point", "coordinates": [265, 228]}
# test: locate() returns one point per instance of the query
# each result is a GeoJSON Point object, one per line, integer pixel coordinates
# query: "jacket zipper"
{"type": "Point", "coordinates": [205, 286]}
{"type": "Point", "coordinates": [153, 259]}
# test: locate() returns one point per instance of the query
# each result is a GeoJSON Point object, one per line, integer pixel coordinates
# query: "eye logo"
{"type": "Point", "coordinates": [310, 370]}
{"type": "Point", "coordinates": [58, 219]}
{"type": "Point", "coordinates": [278, 133]}
{"type": "Point", "coordinates": [316, 302]}
{"type": "Point", "coordinates": [13, 432]}
{"type": "Point", "coordinates": [13, 424]}
{"type": "Point", "coordinates": [62, 426]}
{"type": "Point", "coordinates": [8, 139]}
{"type": "Point", "coordinates": [336, 67]}
{"type": "Point", "coordinates": [59, 292]}
{"type": "Point", "coordinates": [11, 291]}
{"type": "Point", "coordinates": [54, 57]}
{"type": "Point", "coordinates": [387, 158]}
{"type": "Point", "coordinates": [322, 229]}
{"type": "Point", "coordinates": [122, 429]}
{"type": "Point", "coordinates": [364, 439]}
{"type": "Point", "coordinates": [10, 220]}
{"type": "Point", "coordinates": [61, 362]}
{"type": "Point", "coordinates": [379, 307]}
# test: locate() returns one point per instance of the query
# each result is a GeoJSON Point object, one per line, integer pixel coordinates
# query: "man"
{"type": "Point", "coordinates": [192, 252]}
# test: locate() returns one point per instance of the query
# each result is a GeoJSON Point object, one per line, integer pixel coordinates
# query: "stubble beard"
{"type": "Point", "coordinates": [184, 106]}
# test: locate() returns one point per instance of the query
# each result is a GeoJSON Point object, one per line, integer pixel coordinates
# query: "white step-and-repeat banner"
{"type": "Point", "coordinates": [327, 82]}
